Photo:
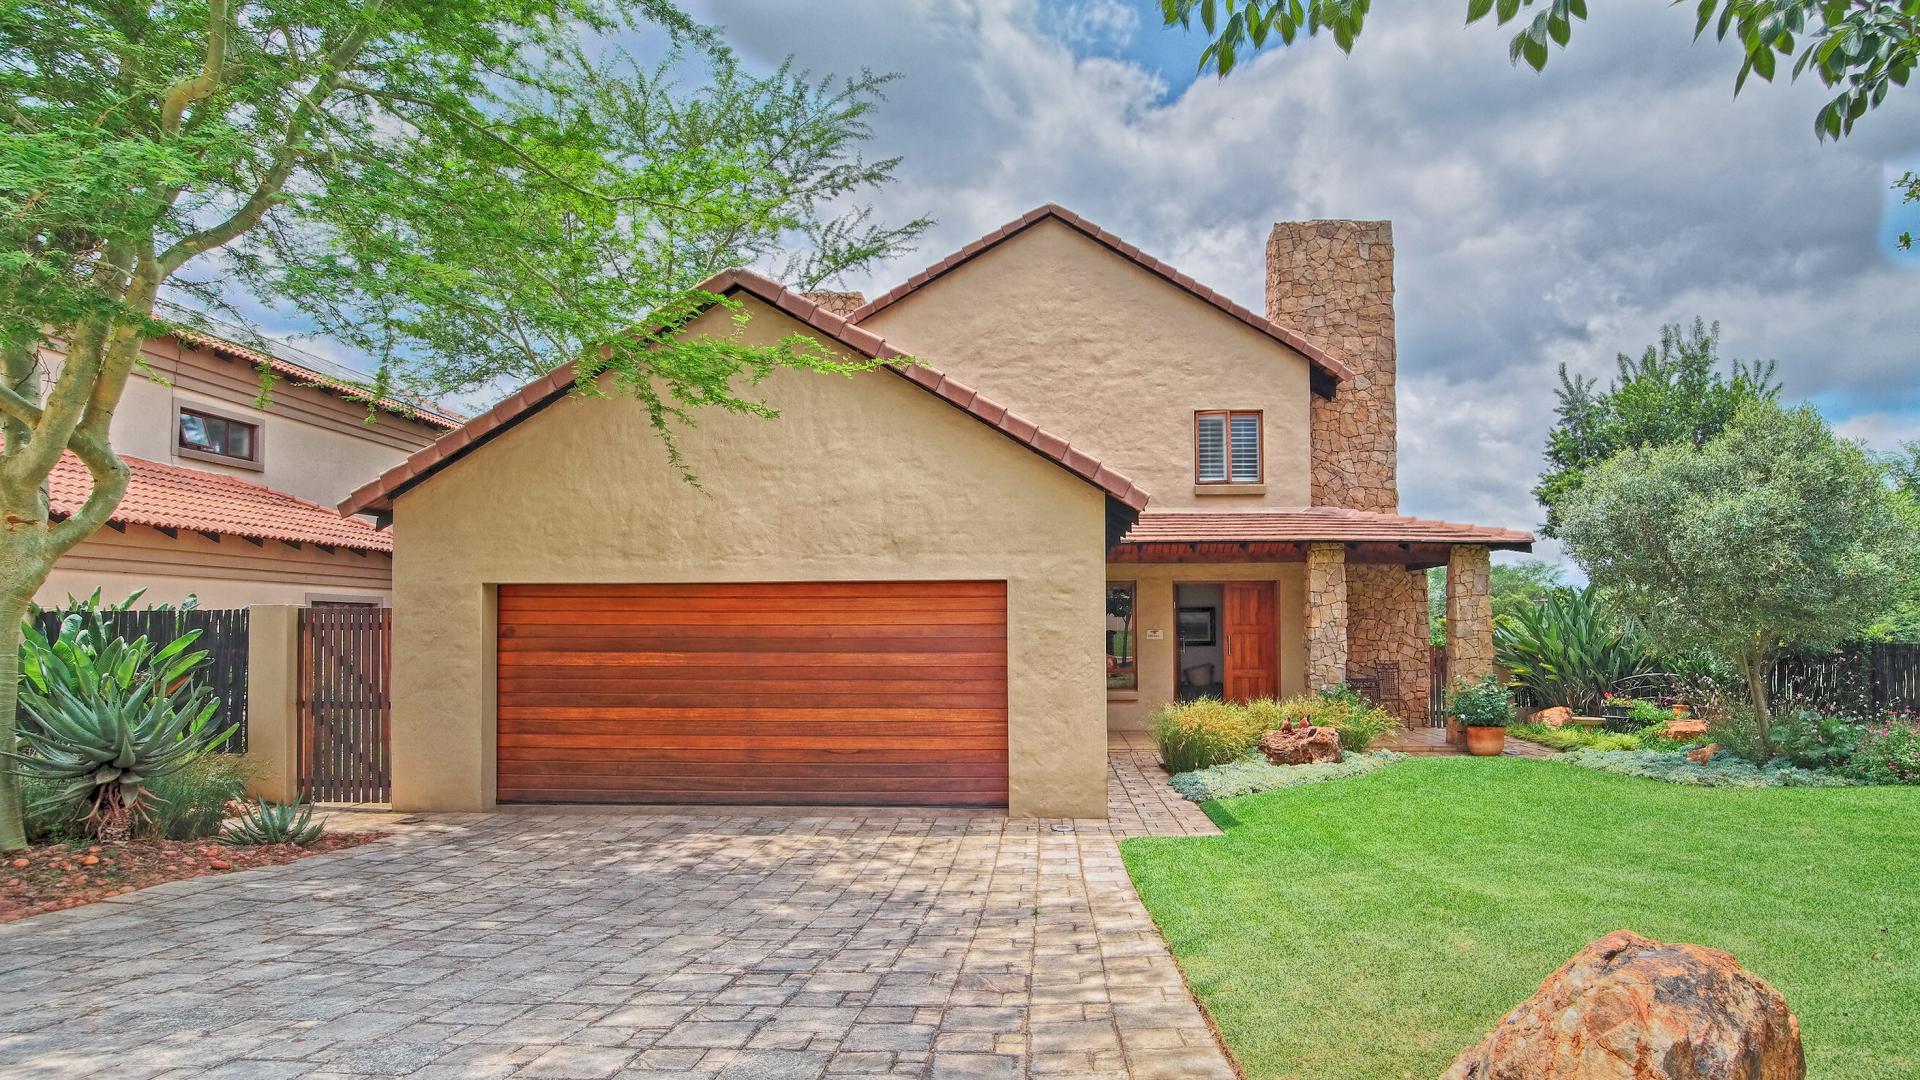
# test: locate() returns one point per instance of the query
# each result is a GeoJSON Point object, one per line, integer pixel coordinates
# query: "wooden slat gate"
{"type": "Point", "coordinates": [345, 655]}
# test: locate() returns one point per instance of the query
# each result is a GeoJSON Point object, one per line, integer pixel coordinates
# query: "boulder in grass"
{"type": "Point", "coordinates": [1556, 717]}
{"type": "Point", "coordinates": [1301, 745]}
{"type": "Point", "coordinates": [1629, 1008]}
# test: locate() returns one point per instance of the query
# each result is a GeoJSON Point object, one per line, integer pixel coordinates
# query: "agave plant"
{"type": "Point", "coordinates": [101, 716]}
{"type": "Point", "coordinates": [274, 823]}
{"type": "Point", "coordinates": [1571, 651]}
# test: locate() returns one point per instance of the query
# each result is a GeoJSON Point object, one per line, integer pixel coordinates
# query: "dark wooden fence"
{"type": "Point", "coordinates": [1884, 675]}
{"type": "Point", "coordinates": [223, 636]}
{"type": "Point", "coordinates": [1437, 686]}
{"type": "Point", "coordinates": [343, 730]}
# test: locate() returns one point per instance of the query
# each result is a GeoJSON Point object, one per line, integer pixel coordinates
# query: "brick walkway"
{"type": "Point", "coordinates": [548, 944]}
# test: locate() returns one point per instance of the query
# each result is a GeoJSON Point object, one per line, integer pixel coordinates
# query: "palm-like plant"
{"type": "Point", "coordinates": [274, 823]}
{"type": "Point", "coordinates": [1572, 651]}
{"type": "Point", "coordinates": [101, 716]}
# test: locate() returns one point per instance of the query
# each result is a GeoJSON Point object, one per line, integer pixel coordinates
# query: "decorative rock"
{"type": "Point", "coordinates": [1557, 717]}
{"type": "Point", "coordinates": [1686, 729]}
{"type": "Point", "coordinates": [219, 864]}
{"type": "Point", "coordinates": [21, 864]}
{"type": "Point", "coordinates": [1629, 1008]}
{"type": "Point", "coordinates": [1303, 745]}
{"type": "Point", "coordinates": [1700, 755]}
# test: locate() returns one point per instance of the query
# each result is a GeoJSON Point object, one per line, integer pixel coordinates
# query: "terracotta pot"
{"type": "Point", "coordinates": [1486, 741]}
{"type": "Point", "coordinates": [1456, 735]}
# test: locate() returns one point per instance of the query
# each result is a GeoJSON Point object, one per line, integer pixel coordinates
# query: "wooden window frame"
{"type": "Point", "coordinates": [256, 463]}
{"type": "Point", "coordinates": [1226, 446]}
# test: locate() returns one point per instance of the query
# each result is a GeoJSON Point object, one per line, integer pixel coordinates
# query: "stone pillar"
{"type": "Point", "coordinates": [1469, 613]}
{"type": "Point", "coordinates": [273, 688]}
{"type": "Point", "coordinates": [1333, 282]}
{"type": "Point", "coordinates": [1389, 638]}
{"type": "Point", "coordinates": [1326, 615]}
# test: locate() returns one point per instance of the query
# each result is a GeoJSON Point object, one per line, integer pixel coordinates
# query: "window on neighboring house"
{"type": "Point", "coordinates": [1122, 673]}
{"type": "Point", "coordinates": [224, 438]}
{"type": "Point", "coordinates": [1226, 448]}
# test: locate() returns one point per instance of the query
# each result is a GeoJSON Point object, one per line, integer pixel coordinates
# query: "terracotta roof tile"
{"type": "Point", "coordinates": [426, 412]}
{"type": "Point", "coordinates": [170, 497]}
{"type": "Point", "coordinates": [1312, 524]}
{"type": "Point", "coordinates": [1328, 365]}
{"type": "Point", "coordinates": [377, 495]}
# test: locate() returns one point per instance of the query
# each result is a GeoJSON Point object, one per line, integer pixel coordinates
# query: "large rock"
{"type": "Point", "coordinates": [1302, 745]}
{"type": "Point", "coordinates": [1557, 717]}
{"type": "Point", "coordinates": [1681, 728]}
{"type": "Point", "coordinates": [1628, 1008]}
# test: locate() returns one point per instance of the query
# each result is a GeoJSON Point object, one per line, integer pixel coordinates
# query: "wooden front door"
{"type": "Point", "coordinates": [1250, 645]}
{"type": "Point", "coordinates": [825, 692]}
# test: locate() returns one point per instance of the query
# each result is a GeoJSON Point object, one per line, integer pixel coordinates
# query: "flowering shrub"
{"type": "Point", "coordinates": [1888, 751]}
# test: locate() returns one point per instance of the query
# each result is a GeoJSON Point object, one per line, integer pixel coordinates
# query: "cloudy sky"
{"type": "Point", "coordinates": [1539, 219]}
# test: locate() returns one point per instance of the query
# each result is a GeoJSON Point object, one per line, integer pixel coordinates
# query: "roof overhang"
{"type": "Point", "coordinates": [1285, 534]}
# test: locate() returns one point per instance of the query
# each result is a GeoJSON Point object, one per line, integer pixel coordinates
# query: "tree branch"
{"type": "Point", "coordinates": [185, 93]}
{"type": "Point", "coordinates": [109, 487]}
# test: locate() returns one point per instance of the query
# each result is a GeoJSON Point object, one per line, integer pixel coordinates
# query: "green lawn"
{"type": "Point", "coordinates": [1372, 927]}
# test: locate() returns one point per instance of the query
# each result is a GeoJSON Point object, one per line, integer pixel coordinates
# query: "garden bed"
{"type": "Point", "coordinates": [65, 875]}
{"type": "Point", "coordinates": [1253, 774]}
{"type": "Point", "coordinates": [1723, 770]}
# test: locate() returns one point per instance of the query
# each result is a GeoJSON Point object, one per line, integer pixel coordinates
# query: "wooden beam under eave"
{"type": "Point", "coordinates": [169, 533]}
{"type": "Point", "coordinates": [213, 536]}
{"type": "Point", "coordinates": [255, 541]}
{"type": "Point", "coordinates": [117, 526]}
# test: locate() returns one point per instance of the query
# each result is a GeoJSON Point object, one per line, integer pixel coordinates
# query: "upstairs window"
{"type": "Point", "coordinates": [1226, 448]}
{"type": "Point", "coordinates": [221, 438]}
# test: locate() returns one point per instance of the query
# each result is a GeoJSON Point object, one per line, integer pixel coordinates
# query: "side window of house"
{"type": "Point", "coordinates": [214, 437]}
{"type": "Point", "coordinates": [1226, 448]}
{"type": "Point", "coordinates": [1121, 671]}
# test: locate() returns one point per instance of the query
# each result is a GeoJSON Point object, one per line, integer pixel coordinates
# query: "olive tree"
{"type": "Point", "coordinates": [1773, 534]}
{"type": "Point", "coordinates": [467, 190]}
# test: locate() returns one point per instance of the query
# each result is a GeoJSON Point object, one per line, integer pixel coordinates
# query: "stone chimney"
{"type": "Point", "coordinates": [836, 303]}
{"type": "Point", "coordinates": [1333, 282]}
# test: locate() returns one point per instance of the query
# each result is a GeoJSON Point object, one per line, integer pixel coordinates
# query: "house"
{"type": "Point", "coordinates": [231, 502]}
{"type": "Point", "coordinates": [891, 593]}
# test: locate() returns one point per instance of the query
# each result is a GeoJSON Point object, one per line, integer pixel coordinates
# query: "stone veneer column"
{"type": "Point", "coordinates": [1326, 615]}
{"type": "Point", "coordinates": [1469, 613]}
{"type": "Point", "coordinates": [1333, 282]}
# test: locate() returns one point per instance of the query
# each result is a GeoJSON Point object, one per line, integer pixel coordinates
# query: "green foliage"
{"type": "Point", "coordinates": [1197, 734]}
{"type": "Point", "coordinates": [190, 802]}
{"type": "Point", "coordinates": [1516, 587]}
{"type": "Point", "coordinates": [1726, 769]}
{"type": "Point", "coordinates": [1358, 721]}
{"type": "Point", "coordinates": [1674, 394]}
{"type": "Point", "coordinates": [1864, 47]}
{"type": "Point", "coordinates": [1485, 703]}
{"type": "Point", "coordinates": [1810, 739]}
{"type": "Point", "coordinates": [1572, 650]}
{"type": "Point", "coordinates": [1253, 773]}
{"type": "Point", "coordinates": [103, 716]}
{"type": "Point", "coordinates": [1888, 751]}
{"type": "Point", "coordinates": [1909, 188]}
{"type": "Point", "coordinates": [274, 823]}
{"type": "Point", "coordinates": [1574, 737]}
{"type": "Point", "coordinates": [1773, 534]}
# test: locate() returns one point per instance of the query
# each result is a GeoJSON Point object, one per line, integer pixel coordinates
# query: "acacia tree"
{"type": "Point", "coordinates": [458, 187]}
{"type": "Point", "coordinates": [1774, 534]}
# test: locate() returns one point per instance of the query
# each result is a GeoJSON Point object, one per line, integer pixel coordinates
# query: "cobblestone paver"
{"type": "Point", "coordinates": [621, 944]}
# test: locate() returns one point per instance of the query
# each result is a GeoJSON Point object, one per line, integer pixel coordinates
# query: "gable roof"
{"type": "Point", "coordinates": [164, 496]}
{"type": "Point", "coordinates": [1328, 371]}
{"type": "Point", "coordinates": [425, 412]}
{"type": "Point", "coordinates": [378, 495]}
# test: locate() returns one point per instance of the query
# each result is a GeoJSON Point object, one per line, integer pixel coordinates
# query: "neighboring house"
{"type": "Point", "coordinates": [231, 502]}
{"type": "Point", "coordinates": [891, 593]}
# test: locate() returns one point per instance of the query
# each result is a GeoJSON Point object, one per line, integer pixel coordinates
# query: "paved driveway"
{"type": "Point", "coordinates": [551, 944]}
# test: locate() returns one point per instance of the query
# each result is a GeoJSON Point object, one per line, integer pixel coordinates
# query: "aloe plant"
{"type": "Point", "coordinates": [274, 823]}
{"type": "Point", "coordinates": [1572, 651]}
{"type": "Point", "coordinates": [101, 716]}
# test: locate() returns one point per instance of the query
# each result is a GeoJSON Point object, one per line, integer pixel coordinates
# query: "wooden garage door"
{"type": "Point", "coordinates": [839, 693]}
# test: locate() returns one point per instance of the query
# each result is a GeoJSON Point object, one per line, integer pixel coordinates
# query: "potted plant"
{"type": "Point", "coordinates": [1484, 709]}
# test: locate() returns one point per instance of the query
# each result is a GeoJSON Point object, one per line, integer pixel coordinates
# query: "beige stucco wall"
{"type": "Point", "coordinates": [228, 573]}
{"type": "Point", "coordinates": [1099, 351]}
{"type": "Point", "coordinates": [1153, 607]}
{"type": "Point", "coordinates": [867, 478]}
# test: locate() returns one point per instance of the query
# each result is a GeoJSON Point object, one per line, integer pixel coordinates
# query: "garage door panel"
{"type": "Point", "coordinates": [835, 692]}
